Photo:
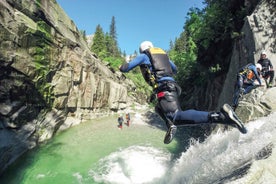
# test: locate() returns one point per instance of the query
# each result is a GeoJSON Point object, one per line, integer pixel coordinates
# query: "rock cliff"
{"type": "Point", "coordinates": [49, 79]}
{"type": "Point", "coordinates": [257, 34]}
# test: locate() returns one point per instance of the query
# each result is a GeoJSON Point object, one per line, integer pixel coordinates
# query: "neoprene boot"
{"type": "Point", "coordinates": [227, 116]}
{"type": "Point", "coordinates": [170, 134]}
{"type": "Point", "coordinates": [171, 127]}
{"type": "Point", "coordinates": [216, 117]}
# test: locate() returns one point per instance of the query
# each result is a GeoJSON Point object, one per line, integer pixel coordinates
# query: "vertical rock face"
{"type": "Point", "coordinates": [258, 33]}
{"type": "Point", "coordinates": [47, 76]}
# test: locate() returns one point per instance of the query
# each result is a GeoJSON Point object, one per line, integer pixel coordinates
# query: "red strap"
{"type": "Point", "coordinates": [160, 94]}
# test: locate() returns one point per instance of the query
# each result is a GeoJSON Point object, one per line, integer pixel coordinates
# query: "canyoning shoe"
{"type": "Point", "coordinates": [232, 119]}
{"type": "Point", "coordinates": [170, 134]}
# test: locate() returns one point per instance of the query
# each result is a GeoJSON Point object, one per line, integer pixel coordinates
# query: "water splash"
{"type": "Point", "coordinates": [223, 154]}
{"type": "Point", "coordinates": [133, 165]}
{"type": "Point", "coordinates": [224, 157]}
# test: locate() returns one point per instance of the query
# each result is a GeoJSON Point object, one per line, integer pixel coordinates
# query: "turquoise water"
{"type": "Point", "coordinates": [73, 155]}
{"type": "Point", "coordinates": [98, 152]}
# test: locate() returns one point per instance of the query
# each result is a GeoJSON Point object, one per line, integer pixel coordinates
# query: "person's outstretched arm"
{"type": "Point", "coordinates": [133, 63]}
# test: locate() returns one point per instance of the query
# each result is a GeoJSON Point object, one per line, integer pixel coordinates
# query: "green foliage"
{"type": "Point", "coordinates": [40, 41]}
{"type": "Point", "coordinates": [138, 80]}
{"type": "Point", "coordinates": [112, 43]}
{"type": "Point", "coordinates": [114, 62]}
{"type": "Point", "coordinates": [38, 2]}
{"type": "Point", "coordinates": [43, 69]}
{"type": "Point", "coordinates": [184, 52]}
{"type": "Point", "coordinates": [111, 46]}
{"type": "Point", "coordinates": [194, 23]}
{"type": "Point", "coordinates": [221, 23]}
{"type": "Point", "coordinates": [214, 69]}
{"type": "Point", "coordinates": [200, 50]}
{"type": "Point", "coordinates": [105, 45]}
{"type": "Point", "coordinates": [186, 63]}
{"type": "Point", "coordinates": [99, 46]}
{"type": "Point", "coordinates": [217, 22]}
{"type": "Point", "coordinates": [112, 30]}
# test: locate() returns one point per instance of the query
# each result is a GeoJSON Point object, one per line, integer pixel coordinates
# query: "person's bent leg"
{"type": "Point", "coordinates": [271, 74]}
{"type": "Point", "coordinates": [236, 98]}
{"type": "Point", "coordinates": [162, 115]}
{"type": "Point", "coordinates": [239, 90]}
{"type": "Point", "coordinates": [171, 127]}
{"type": "Point", "coordinates": [226, 116]}
{"type": "Point", "coordinates": [191, 117]}
{"type": "Point", "coordinates": [168, 104]}
{"type": "Point", "coordinates": [249, 88]}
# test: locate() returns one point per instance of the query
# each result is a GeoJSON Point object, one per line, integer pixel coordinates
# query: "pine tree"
{"type": "Point", "coordinates": [112, 31]}
{"type": "Point", "coordinates": [171, 44]}
{"type": "Point", "coordinates": [109, 42]}
{"type": "Point", "coordinates": [113, 44]}
{"type": "Point", "coordinates": [99, 45]}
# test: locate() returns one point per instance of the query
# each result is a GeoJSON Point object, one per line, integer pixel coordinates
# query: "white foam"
{"type": "Point", "coordinates": [135, 164]}
{"type": "Point", "coordinates": [221, 154]}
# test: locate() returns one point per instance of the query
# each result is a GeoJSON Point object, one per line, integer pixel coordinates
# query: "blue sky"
{"type": "Point", "coordinates": [159, 21]}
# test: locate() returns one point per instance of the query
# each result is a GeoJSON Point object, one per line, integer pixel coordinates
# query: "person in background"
{"type": "Point", "coordinates": [158, 70]}
{"type": "Point", "coordinates": [127, 119]}
{"type": "Point", "coordinates": [267, 69]}
{"type": "Point", "coordinates": [120, 121]}
{"type": "Point", "coordinates": [246, 78]}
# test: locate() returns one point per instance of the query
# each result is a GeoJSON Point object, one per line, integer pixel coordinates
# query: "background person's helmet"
{"type": "Point", "coordinates": [258, 65]}
{"type": "Point", "coordinates": [263, 53]}
{"type": "Point", "coordinates": [145, 45]}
